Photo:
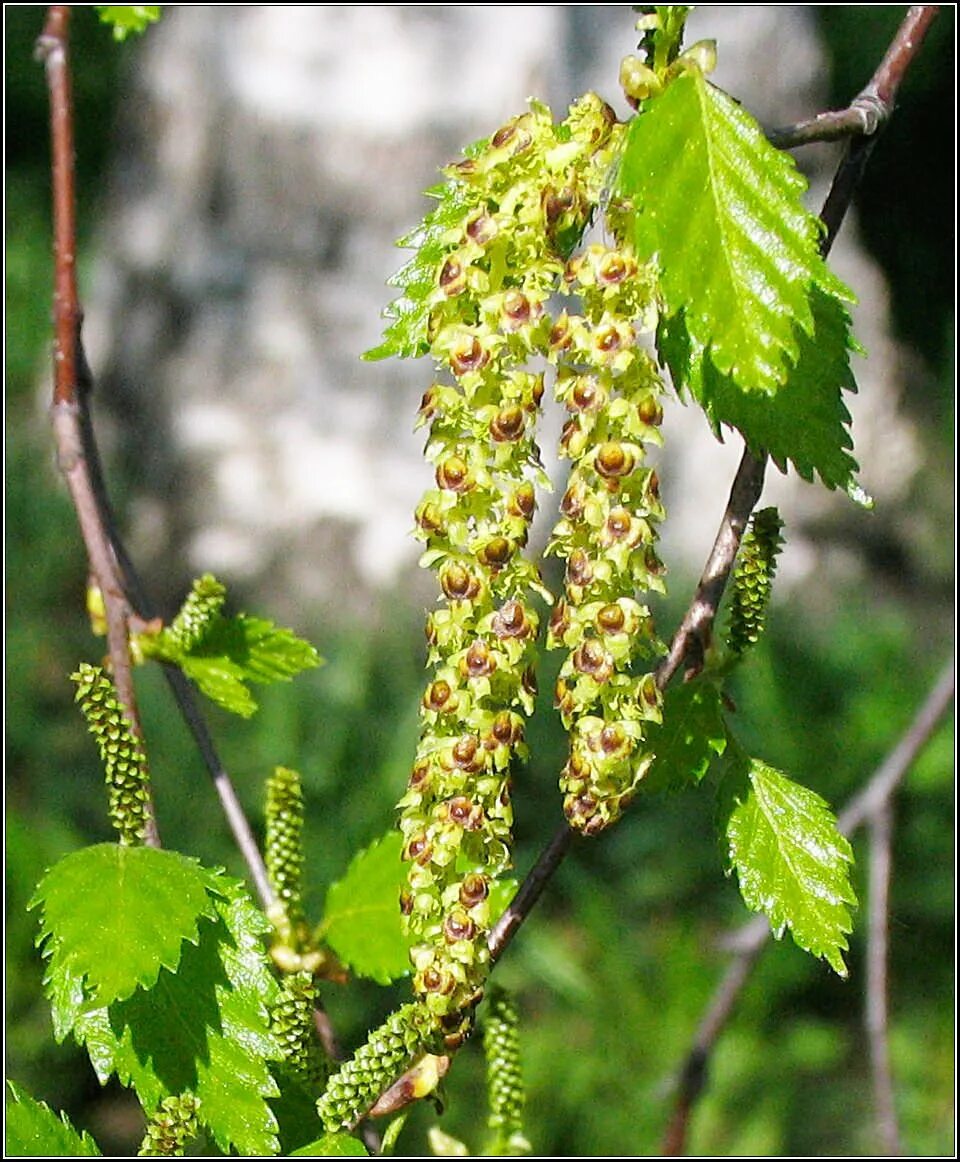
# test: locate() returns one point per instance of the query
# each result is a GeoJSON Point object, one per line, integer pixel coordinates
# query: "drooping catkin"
{"type": "Point", "coordinates": [524, 198]}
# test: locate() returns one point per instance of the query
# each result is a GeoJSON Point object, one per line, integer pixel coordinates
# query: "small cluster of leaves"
{"type": "Point", "coordinates": [129, 18]}
{"type": "Point", "coordinates": [221, 654]}
{"type": "Point", "coordinates": [755, 326]}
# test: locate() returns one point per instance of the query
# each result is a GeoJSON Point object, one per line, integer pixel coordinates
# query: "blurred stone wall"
{"type": "Point", "coordinates": [266, 159]}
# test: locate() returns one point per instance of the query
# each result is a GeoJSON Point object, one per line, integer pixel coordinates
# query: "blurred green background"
{"type": "Point", "coordinates": [613, 971]}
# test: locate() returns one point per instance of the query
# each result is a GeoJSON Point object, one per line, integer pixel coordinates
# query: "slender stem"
{"type": "Point", "coordinates": [693, 634]}
{"type": "Point", "coordinates": [869, 111]}
{"type": "Point", "coordinates": [877, 1008]}
{"type": "Point", "coordinates": [68, 389]}
{"type": "Point", "coordinates": [748, 942]}
{"type": "Point", "coordinates": [529, 891]}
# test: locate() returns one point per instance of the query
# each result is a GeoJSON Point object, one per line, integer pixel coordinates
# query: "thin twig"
{"type": "Point", "coordinates": [877, 1008]}
{"type": "Point", "coordinates": [124, 595]}
{"type": "Point", "coordinates": [869, 111]}
{"type": "Point", "coordinates": [748, 942]}
{"type": "Point", "coordinates": [68, 391]}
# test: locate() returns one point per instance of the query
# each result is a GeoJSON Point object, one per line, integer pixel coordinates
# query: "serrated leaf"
{"type": "Point", "coordinates": [332, 1146]}
{"type": "Point", "coordinates": [792, 862]}
{"type": "Point", "coordinates": [112, 917]}
{"type": "Point", "coordinates": [690, 736]}
{"type": "Point", "coordinates": [406, 334]}
{"type": "Point", "coordinates": [235, 650]}
{"type": "Point", "coordinates": [806, 423]}
{"type": "Point", "coordinates": [203, 1028]}
{"type": "Point", "coordinates": [362, 921]}
{"type": "Point", "coordinates": [720, 210]}
{"type": "Point", "coordinates": [33, 1130]}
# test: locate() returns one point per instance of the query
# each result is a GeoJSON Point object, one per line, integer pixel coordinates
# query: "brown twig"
{"type": "Point", "coordinates": [68, 391]}
{"type": "Point", "coordinates": [749, 941]}
{"type": "Point", "coordinates": [869, 111]}
{"type": "Point", "coordinates": [877, 1008]}
{"type": "Point", "coordinates": [123, 593]}
{"type": "Point", "coordinates": [692, 637]}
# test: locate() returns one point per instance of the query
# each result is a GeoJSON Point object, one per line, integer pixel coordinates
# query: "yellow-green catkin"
{"type": "Point", "coordinates": [505, 1089]}
{"type": "Point", "coordinates": [606, 535]}
{"type": "Point", "coordinates": [170, 1127]}
{"type": "Point", "coordinates": [526, 197]}
{"type": "Point", "coordinates": [198, 613]}
{"type": "Point", "coordinates": [753, 579]}
{"type": "Point", "coordinates": [388, 1051]}
{"type": "Point", "coordinates": [283, 852]}
{"type": "Point", "coordinates": [124, 760]}
{"type": "Point", "coordinates": [292, 1023]}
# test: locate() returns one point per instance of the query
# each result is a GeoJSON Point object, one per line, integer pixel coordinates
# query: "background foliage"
{"type": "Point", "coordinates": [627, 936]}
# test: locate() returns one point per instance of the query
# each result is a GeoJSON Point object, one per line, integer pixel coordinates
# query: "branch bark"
{"type": "Point", "coordinates": [693, 634]}
{"type": "Point", "coordinates": [124, 596]}
{"type": "Point", "coordinates": [750, 940]}
{"type": "Point", "coordinates": [68, 388]}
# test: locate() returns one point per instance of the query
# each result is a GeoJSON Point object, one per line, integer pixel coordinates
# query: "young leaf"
{"type": "Point", "coordinates": [113, 916]}
{"type": "Point", "coordinates": [691, 734]}
{"type": "Point", "coordinates": [203, 1029]}
{"type": "Point", "coordinates": [33, 1130]}
{"type": "Point", "coordinates": [406, 335]}
{"type": "Point", "coordinates": [332, 1146]}
{"type": "Point", "coordinates": [721, 211]}
{"type": "Point", "coordinates": [232, 651]}
{"type": "Point", "coordinates": [127, 18]}
{"type": "Point", "coordinates": [362, 921]}
{"type": "Point", "coordinates": [792, 862]}
{"type": "Point", "coordinates": [806, 422]}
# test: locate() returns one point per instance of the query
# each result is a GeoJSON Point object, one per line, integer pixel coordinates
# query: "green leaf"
{"type": "Point", "coordinates": [112, 917]}
{"type": "Point", "coordinates": [332, 1146]}
{"type": "Point", "coordinates": [720, 210]}
{"type": "Point", "coordinates": [690, 736]}
{"type": "Point", "coordinates": [806, 422]}
{"type": "Point", "coordinates": [235, 650]}
{"type": "Point", "coordinates": [125, 19]}
{"type": "Point", "coordinates": [362, 921]}
{"type": "Point", "coordinates": [202, 1029]}
{"type": "Point", "coordinates": [792, 862]}
{"type": "Point", "coordinates": [33, 1130]}
{"type": "Point", "coordinates": [406, 334]}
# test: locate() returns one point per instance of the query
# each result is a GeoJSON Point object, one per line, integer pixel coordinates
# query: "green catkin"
{"type": "Point", "coordinates": [388, 1052]}
{"type": "Point", "coordinates": [607, 532]}
{"type": "Point", "coordinates": [283, 850]}
{"type": "Point", "coordinates": [292, 1023]}
{"type": "Point", "coordinates": [525, 198]}
{"type": "Point", "coordinates": [505, 1091]}
{"type": "Point", "coordinates": [753, 579]}
{"type": "Point", "coordinates": [200, 609]}
{"type": "Point", "coordinates": [171, 1127]}
{"type": "Point", "coordinates": [124, 760]}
